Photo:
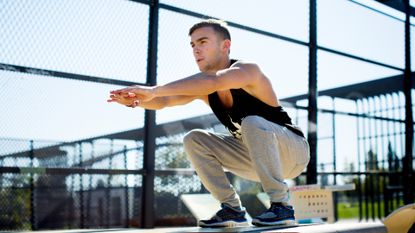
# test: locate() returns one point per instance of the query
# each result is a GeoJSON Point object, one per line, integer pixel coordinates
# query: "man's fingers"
{"type": "Point", "coordinates": [115, 97]}
{"type": "Point", "coordinates": [119, 91]}
{"type": "Point", "coordinates": [115, 92]}
{"type": "Point", "coordinates": [128, 95]}
{"type": "Point", "coordinates": [134, 104]}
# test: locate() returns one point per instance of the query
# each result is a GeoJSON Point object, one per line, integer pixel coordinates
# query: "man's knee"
{"type": "Point", "coordinates": [192, 142]}
{"type": "Point", "coordinates": [193, 136]}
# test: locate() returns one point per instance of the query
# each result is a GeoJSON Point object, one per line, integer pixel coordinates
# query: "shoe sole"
{"type": "Point", "coordinates": [225, 224]}
{"type": "Point", "coordinates": [286, 222]}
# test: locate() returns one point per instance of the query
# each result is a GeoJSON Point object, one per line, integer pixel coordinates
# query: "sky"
{"type": "Point", "coordinates": [110, 40]}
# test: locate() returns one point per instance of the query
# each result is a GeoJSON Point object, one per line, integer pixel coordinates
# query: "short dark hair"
{"type": "Point", "coordinates": [219, 26]}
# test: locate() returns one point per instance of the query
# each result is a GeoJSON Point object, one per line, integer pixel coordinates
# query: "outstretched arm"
{"type": "Point", "coordinates": [200, 84]}
{"type": "Point", "coordinates": [154, 104]}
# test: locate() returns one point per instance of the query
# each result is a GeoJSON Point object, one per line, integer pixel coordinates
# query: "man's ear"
{"type": "Point", "coordinates": [227, 45]}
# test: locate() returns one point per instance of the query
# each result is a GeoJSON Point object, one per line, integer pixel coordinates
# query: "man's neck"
{"type": "Point", "coordinates": [225, 63]}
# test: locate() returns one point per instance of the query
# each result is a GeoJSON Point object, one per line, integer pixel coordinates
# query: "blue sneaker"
{"type": "Point", "coordinates": [226, 217]}
{"type": "Point", "coordinates": [277, 214]}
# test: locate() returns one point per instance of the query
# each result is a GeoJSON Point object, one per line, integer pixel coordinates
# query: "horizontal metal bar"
{"type": "Point", "coordinates": [147, 2]}
{"type": "Point", "coordinates": [398, 133]}
{"type": "Point", "coordinates": [346, 113]}
{"type": "Point", "coordinates": [59, 74]}
{"type": "Point", "coordinates": [232, 24]}
{"type": "Point", "coordinates": [164, 172]}
{"type": "Point", "coordinates": [80, 170]}
{"type": "Point", "coordinates": [274, 35]}
{"type": "Point", "coordinates": [175, 171]}
{"type": "Point", "coordinates": [37, 71]}
{"type": "Point", "coordinates": [359, 58]}
{"type": "Point", "coordinates": [382, 173]}
{"type": "Point", "coordinates": [378, 11]}
{"type": "Point", "coordinates": [69, 171]}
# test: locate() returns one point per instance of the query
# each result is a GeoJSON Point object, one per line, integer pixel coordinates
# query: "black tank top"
{"type": "Point", "coordinates": [244, 105]}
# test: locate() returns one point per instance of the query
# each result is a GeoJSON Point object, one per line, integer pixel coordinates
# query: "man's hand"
{"type": "Point", "coordinates": [136, 92]}
{"type": "Point", "coordinates": [127, 100]}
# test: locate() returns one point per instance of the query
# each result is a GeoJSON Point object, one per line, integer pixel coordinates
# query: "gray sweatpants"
{"type": "Point", "coordinates": [267, 153]}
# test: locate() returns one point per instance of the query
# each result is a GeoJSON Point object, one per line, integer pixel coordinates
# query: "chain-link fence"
{"type": "Point", "coordinates": [59, 169]}
{"type": "Point", "coordinates": [70, 160]}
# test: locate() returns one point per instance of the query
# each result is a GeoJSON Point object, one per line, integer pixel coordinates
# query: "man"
{"type": "Point", "coordinates": [264, 145]}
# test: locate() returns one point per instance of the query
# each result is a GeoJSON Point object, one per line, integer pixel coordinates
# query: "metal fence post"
{"type": "Point", "coordinates": [409, 121]}
{"type": "Point", "coordinates": [147, 198]}
{"type": "Point", "coordinates": [312, 96]}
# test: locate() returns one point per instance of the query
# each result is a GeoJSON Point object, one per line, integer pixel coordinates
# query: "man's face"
{"type": "Point", "coordinates": [206, 48]}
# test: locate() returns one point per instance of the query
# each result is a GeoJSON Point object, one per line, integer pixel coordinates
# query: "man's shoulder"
{"type": "Point", "coordinates": [241, 62]}
{"type": "Point", "coordinates": [248, 66]}
{"type": "Point", "coordinates": [244, 63]}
